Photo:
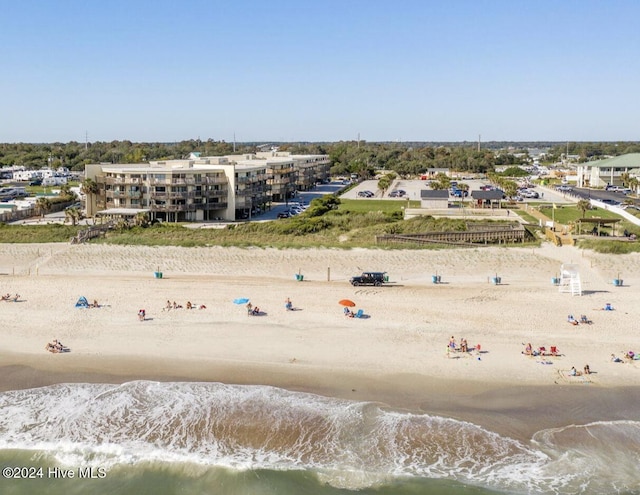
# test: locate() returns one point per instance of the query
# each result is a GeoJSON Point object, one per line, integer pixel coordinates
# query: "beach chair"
{"type": "Point", "coordinates": [554, 351]}
{"type": "Point", "coordinates": [542, 351]}
{"type": "Point", "coordinates": [359, 314]}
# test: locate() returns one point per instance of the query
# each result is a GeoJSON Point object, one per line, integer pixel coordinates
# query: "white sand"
{"type": "Point", "coordinates": [409, 327]}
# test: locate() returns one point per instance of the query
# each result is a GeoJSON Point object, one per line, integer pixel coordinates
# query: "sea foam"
{"type": "Point", "coordinates": [349, 444]}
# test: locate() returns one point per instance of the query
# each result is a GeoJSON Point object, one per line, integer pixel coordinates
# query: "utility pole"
{"type": "Point", "coordinates": [234, 142]}
{"type": "Point", "coordinates": [479, 142]}
{"type": "Point", "coordinates": [86, 140]}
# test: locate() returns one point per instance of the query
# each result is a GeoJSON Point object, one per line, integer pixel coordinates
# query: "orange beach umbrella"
{"type": "Point", "coordinates": [346, 302]}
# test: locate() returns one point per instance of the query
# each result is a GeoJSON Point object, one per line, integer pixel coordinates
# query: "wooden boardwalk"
{"type": "Point", "coordinates": [92, 232]}
{"type": "Point", "coordinates": [479, 235]}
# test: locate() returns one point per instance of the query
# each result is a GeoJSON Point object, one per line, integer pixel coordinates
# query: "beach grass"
{"type": "Point", "coordinates": [53, 232]}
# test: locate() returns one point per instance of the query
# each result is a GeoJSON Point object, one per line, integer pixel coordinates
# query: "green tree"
{"type": "Point", "coordinates": [73, 214]}
{"type": "Point", "coordinates": [142, 219]}
{"type": "Point", "coordinates": [66, 193]}
{"type": "Point", "coordinates": [44, 205]}
{"type": "Point", "coordinates": [583, 205]}
{"type": "Point", "coordinates": [89, 186]}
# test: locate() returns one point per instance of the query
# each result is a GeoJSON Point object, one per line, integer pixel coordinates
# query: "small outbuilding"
{"type": "Point", "coordinates": [487, 199]}
{"type": "Point", "coordinates": [436, 199]}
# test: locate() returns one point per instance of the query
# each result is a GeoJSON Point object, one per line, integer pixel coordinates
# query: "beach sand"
{"type": "Point", "coordinates": [397, 356]}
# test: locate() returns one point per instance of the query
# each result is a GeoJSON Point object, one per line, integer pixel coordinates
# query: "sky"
{"type": "Point", "coordinates": [330, 70]}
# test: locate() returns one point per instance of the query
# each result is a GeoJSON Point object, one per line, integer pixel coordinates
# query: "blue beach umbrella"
{"type": "Point", "coordinates": [241, 300]}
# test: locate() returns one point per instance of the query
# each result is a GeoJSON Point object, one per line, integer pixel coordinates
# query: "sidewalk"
{"type": "Point", "coordinates": [562, 232]}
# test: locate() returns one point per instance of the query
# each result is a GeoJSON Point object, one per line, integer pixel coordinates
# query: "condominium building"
{"type": "Point", "coordinates": [203, 188]}
{"type": "Point", "coordinates": [609, 171]}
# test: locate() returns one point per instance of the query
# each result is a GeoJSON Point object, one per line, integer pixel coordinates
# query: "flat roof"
{"type": "Point", "coordinates": [123, 212]}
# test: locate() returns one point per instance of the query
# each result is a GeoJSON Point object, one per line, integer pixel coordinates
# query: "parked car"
{"type": "Point", "coordinates": [369, 278]}
{"type": "Point", "coordinates": [284, 214]}
{"type": "Point", "coordinates": [394, 194]}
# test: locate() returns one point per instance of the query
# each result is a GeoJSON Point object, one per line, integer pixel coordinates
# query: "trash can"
{"type": "Point", "coordinates": [299, 277]}
{"type": "Point", "coordinates": [157, 274]}
{"type": "Point", "coordinates": [555, 280]}
{"type": "Point", "coordinates": [617, 282]}
{"type": "Point", "coordinates": [435, 279]}
{"type": "Point", "coordinates": [386, 278]}
{"type": "Point", "coordinates": [496, 280]}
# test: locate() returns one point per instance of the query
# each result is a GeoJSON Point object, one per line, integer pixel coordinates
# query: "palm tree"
{"type": "Point", "coordinates": [584, 205]}
{"type": "Point", "coordinates": [72, 214]}
{"type": "Point", "coordinates": [142, 219]}
{"type": "Point", "coordinates": [44, 205]}
{"type": "Point", "coordinates": [90, 189]}
{"type": "Point", "coordinates": [624, 177]}
{"type": "Point", "coordinates": [89, 186]}
{"type": "Point", "coordinates": [67, 193]}
{"type": "Point", "coordinates": [633, 184]}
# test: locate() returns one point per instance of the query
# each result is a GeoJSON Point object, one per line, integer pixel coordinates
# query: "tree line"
{"type": "Point", "coordinates": [360, 157]}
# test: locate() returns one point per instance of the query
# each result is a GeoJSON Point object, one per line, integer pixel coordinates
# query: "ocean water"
{"type": "Point", "coordinates": [211, 438]}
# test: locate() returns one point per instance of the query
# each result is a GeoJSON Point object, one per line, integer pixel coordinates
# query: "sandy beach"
{"type": "Point", "coordinates": [397, 356]}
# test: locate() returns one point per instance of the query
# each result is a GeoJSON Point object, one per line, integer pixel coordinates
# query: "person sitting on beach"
{"type": "Point", "coordinates": [616, 359]}
{"type": "Point", "coordinates": [584, 319]}
{"type": "Point", "coordinates": [255, 311]}
{"type": "Point", "coordinates": [348, 313]}
{"type": "Point", "coordinates": [6, 297]}
{"type": "Point", "coordinates": [249, 308]}
{"type": "Point", "coordinates": [288, 304]}
{"type": "Point", "coordinates": [50, 347]}
{"type": "Point", "coordinates": [189, 305]}
{"type": "Point", "coordinates": [630, 355]}
{"type": "Point", "coordinates": [142, 315]}
{"type": "Point", "coordinates": [168, 306]}
{"type": "Point", "coordinates": [574, 372]}
{"type": "Point", "coordinates": [94, 304]}
{"type": "Point", "coordinates": [587, 370]}
{"type": "Point", "coordinates": [202, 306]}
{"type": "Point", "coordinates": [572, 320]}
{"type": "Point", "coordinates": [528, 350]}
{"type": "Point", "coordinates": [464, 347]}
{"type": "Point", "coordinates": [608, 307]}
{"type": "Point", "coordinates": [452, 343]}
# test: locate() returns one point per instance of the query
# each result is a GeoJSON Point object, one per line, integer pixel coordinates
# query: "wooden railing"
{"type": "Point", "coordinates": [92, 232]}
{"type": "Point", "coordinates": [496, 235]}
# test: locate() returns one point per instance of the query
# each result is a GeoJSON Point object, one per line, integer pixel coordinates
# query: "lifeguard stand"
{"type": "Point", "coordinates": [570, 280]}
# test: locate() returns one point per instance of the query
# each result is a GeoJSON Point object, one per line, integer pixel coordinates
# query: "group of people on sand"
{"type": "Point", "coordinates": [628, 356]}
{"type": "Point", "coordinates": [55, 347]}
{"type": "Point", "coordinates": [252, 310]}
{"type": "Point", "coordinates": [540, 351]}
{"type": "Point", "coordinates": [462, 347]}
{"type": "Point", "coordinates": [8, 297]}
{"type": "Point", "coordinates": [174, 305]}
{"type": "Point", "coordinates": [583, 319]}
{"type": "Point", "coordinates": [574, 372]}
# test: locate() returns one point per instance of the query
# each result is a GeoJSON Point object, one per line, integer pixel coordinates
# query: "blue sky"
{"type": "Point", "coordinates": [319, 70]}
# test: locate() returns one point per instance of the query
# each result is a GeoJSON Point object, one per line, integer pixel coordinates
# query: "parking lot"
{"type": "Point", "coordinates": [413, 188]}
